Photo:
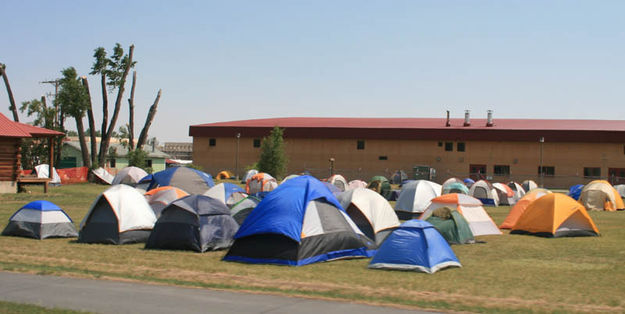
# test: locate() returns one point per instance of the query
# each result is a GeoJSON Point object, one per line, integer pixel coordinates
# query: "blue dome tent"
{"type": "Point", "coordinates": [416, 245]}
{"type": "Point", "coordinates": [298, 223]}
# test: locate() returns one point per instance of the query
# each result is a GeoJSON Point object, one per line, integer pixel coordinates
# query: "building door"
{"type": "Point", "coordinates": [477, 172]}
{"type": "Point", "coordinates": [616, 175]}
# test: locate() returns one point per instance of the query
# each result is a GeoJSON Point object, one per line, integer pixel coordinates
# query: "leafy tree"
{"type": "Point", "coordinates": [35, 151]}
{"type": "Point", "coordinates": [138, 158]}
{"type": "Point", "coordinates": [72, 133]}
{"type": "Point", "coordinates": [74, 100]}
{"type": "Point", "coordinates": [272, 154]}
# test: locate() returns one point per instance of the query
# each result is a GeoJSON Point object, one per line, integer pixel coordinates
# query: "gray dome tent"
{"type": "Point", "coordinates": [195, 222]}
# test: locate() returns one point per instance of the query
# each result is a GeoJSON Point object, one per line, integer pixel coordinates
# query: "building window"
{"type": "Point", "coordinates": [501, 170]}
{"type": "Point", "coordinates": [440, 144]}
{"type": "Point", "coordinates": [149, 163]}
{"type": "Point", "coordinates": [592, 172]}
{"type": "Point", "coordinates": [460, 146]}
{"type": "Point", "coordinates": [112, 162]}
{"type": "Point", "coordinates": [547, 170]}
{"type": "Point", "coordinates": [449, 146]}
{"type": "Point", "coordinates": [360, 144]}
{"type": "Point", "coordinates": [256, 142]}
{"type": "Point", "coordinates": [382, 157]}
{"type": "Point", "coordinates": [212, 142]}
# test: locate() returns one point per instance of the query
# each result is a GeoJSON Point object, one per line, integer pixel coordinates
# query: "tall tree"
{"type": "Point", "coordinates": [100, 66]}
{"type": "Point", "coordinates": [91, 120]}
{"type": "Point", "coordinates": [116, 70]}
{"type": "Point", "coordinates": [74, 100]}
{"type": "Point", "coordinates": [272, 154]}
{"type": "Point", "coordinates": [131, 110]}
{"type": "Point", "coordinates": [148, 121]}
{"type": "Point", "coordinates": [13, 107]}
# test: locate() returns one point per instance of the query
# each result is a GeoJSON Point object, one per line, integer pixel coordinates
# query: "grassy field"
{"type": "Point", "coordinates": [508, 273]}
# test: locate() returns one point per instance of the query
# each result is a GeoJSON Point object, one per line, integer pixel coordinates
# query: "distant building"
{"type": "Point", "coordinates": [558, 153]}
{"type": "Point", "coordinates": [71, 156]}
{"type": "Point", "coordinates": [179, 150]}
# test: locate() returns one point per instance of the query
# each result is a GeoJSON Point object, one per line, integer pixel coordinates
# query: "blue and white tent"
{"type": "Point", "coordinates": [228, 193]}
{"type": "Point", "coordinates": [187, 179]}
{"type": "Point", "coordinates": [298, 223]}
{"type": "Point", "coordinates": [40, 220]}
{"type": "Point", "coordinates": [416, 245]}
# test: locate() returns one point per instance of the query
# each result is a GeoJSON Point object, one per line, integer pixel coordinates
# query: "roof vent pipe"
{"type": "Point", "coordinates": [489, 119]}
{"type": "Point", "coordinates": [447, 123]}
{"type": "Point", "coordinates": [467, 119]}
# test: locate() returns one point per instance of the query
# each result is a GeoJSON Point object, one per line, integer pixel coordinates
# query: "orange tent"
{"type": "Point", "coordinates": [520, 206]}
{"type": "Point", "coordinates": [224, 175]}
{"type": "Point", "coordinates": [555, 215]}
{"type": "Point", "coordinates": [180, 193]}
{"type": "Point", "coordinates": [260, 182]}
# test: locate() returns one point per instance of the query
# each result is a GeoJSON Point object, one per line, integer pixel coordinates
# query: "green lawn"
{"type": "Point", "coordinates": [512, 273]}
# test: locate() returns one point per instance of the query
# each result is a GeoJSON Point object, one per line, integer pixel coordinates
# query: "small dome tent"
{"type": "Point", "coordinates": [416, 245]}
{"type": "Point", "coordinates": [600, 195]}
{"type": "Point", "coordinates": [414, 198]}
{"type": "Point", "coordinates": [520, 207]}
{"type": "Point", "coordinates": [159, 198]}
{"type": "Point", "coordinates": [43, 172]}
{"type": "Point", "coordinates": [40, 220]}
{"type": "Point", "coordinates": [119, 215]}
{"type": "Point", "coordinates": [471, 209]}
{"type": "Point", "coordinates": [249, 174]}
{"type": "Point", "coordinates": [555, 215]}
{"type": "Point", "coordinates": [575, 191]}
{"type": "Point", "coordinates": [518, 190]}
{"type": "Point", "coordinates": [505, 194]}
{"type": "Point", "coordinates": [103, 175]}
{"type": "Point", "coordinates": [398, 177]}
{"type": "Point", "coordinates": [620, 189]}
{"type": "Point", "coordinates": [373, 215]}
{"type": "Point", "coordinates": [227, 193]}
{"type": "Point", "coordinates": [529, 185]}
{"type": "Point", "coordinates": [242, 209]}
{"type": "Point", "coordinates": [224, 175]}
{"type": "Point", "coordinates": [129, 176]}
{"type": "Point", "coordinates": [452, 225]}
{"type": "Point", "coordinates": [338, 181]}
{"type": "Point", "coordinates": [299, 223]}
{"type": "Point", "coordinates": [354, 184]}
{"type": "Point", "coordinates": [455, 187]}
{"type": "Point", "coordinates": [195, 222]}
{"type": "Point", "coordinates": [484, 191]}
{"type": "Point", "coordinates": [381, 185]}
{"type": "Point", "coordinates": [191, 180]}
{"type": "Point", "coordinates": [260, 182]}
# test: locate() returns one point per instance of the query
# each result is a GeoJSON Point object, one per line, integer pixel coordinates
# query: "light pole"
{"type": "Point", "coordinates": [236, 160]}
{"type": "Point", "coordinates": [540, 167]}
{"type": "Point", "coordinates": [331, 160]}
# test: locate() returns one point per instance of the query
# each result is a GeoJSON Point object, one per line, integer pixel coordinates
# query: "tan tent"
{"type": "Point", "coordinates": [600, 195]}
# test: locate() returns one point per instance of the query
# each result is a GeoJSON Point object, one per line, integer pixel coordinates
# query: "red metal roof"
{"type": "Point", "coordinates": [612, 131]}
{"type": "Point", "coordinates": [425, 123]}
{"type": "Point", "coordinates": [9, 128]}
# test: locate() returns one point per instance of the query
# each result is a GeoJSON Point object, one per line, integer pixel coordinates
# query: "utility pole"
{"type": "Point", "coordinates": [56, 84]}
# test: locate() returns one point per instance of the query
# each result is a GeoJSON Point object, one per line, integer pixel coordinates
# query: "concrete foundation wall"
{"type": "Point", "coordinates": [8, 187]}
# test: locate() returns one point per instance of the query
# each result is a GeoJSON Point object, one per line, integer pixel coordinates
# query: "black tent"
{"type": "Point", "coordinates": [195, 222]}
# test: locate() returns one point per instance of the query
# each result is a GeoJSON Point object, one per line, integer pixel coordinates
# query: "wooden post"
{"type": "Point", "coordinates": [50, 163]}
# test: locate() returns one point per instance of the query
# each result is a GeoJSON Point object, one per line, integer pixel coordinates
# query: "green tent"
{"type": "Point", "coordinates": [379, 178]}
{"type": "Point", "coordinates": [381, 186]}
{"type": "Point", "coordinates": [452, 225]}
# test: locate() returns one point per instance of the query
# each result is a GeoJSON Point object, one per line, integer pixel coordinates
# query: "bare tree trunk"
{"type": "Point", "coordinates": [91, 120]}
{"type": "Point", "coordinates": [148, 121]}
{"type": "Point", "coordinates": [106, 138]}
{"type": "Point", "coordinates": [131, 109]}
{"type": "Point", "coordinates": [83, 143]}
{"type": "Point", "coordinates": [105, 118]}
{"type": "Point", "coordinates": [13, 107]}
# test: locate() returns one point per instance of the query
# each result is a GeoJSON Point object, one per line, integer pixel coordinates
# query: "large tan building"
{"type": "Point", "coordinates": [501, 150]}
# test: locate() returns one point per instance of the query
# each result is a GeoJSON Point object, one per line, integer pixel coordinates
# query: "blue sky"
{"type": "Point", "coordinates": [230, 60]}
